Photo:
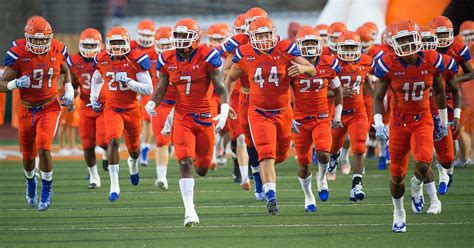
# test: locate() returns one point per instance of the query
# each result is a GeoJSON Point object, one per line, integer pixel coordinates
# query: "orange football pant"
{"type": "Point", "coordinates": [126, 122]}
{"type": "Point", "coordinates": [244, 103]}
{"type": "Point", "coordinates": [312, 131]}
{"type": "Point", "coordinates": [354, 122]}
{"type": "Point", "coordinates": [158, 122]}
{"type": "Point", "coordinates": [91, 127]}
{"type": "Point", "coordinates": [234, 124]}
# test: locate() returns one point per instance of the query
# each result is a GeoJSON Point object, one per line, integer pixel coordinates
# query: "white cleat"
{"type": "Point", "coordinates": [345, 166]}
{"type": "Point", "coordinates": [94, 183]}
{"type": "Point", "coordinates": [417, 201]}
{"type": "Point", "coordinates": [191, 219]}
{"type": "Point", "coordinates": [435, 207]}
{"type": "Point", "coordinates": [162, 183]}
{"type": "Point", "coordinates": [322, 184]}
{"type": "Point", "coordinates": [399, 221]}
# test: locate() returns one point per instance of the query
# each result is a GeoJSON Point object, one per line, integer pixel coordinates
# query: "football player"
{"type": "Point", "coordinates": [312, 124]}
{"type": "Point", "coordinates": [191, 69]}
{"type": "Point", "coordinates": [124, 71]}
{"type": "Point", "coordinates": [34, 68]}
{"type": "Point", "coordinates": [269, 65]}
{"type": "Point", "coordinates": [410, 75]}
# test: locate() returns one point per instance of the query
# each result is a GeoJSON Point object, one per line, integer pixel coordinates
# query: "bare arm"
{"type": "Point", "coordinates": [8, 75]}
{"type": "Point", "coordinates": [218, 82]}
{"type": "Point", "coordinates": [161, 88]}
{"type": "Point", "coordinates": [75, 84]}
{"type": "Point", "coordinates": [453, 87]}
{"type": "Point", "coordinates": [67, 74]}
{"type": "Point", "coordinates": [439, 92]}
{"type": "Point", "coordinates": [381, 87]}
{"type": "Point", "coordinates": [368, 86]}
{"type": "Point", "coordinates": [234, 73]}
{"type": "Point", "coordinates": [468, 72]}
{"type": "Point", "coordinates": [227, 65]}
{"type": "Point", "coordinates": [301, 66]}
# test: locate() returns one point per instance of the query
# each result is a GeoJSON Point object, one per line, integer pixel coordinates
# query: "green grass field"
{"type": "Point", "coordinates": [229, 216]}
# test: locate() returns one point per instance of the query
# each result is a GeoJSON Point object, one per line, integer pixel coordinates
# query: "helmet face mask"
{"type": "Point", "coordinates": [445, 36]}
{"type": "Point", "coordinates": [163, 45]}
{"type": "Point", "coordinates": [428, 41]}
{"type": "Point", "coordinates": [263, 38]}
{"type": "Point", "coordinates": [88, 48]}
{"type": "Point", "coordinates": [117, 45]}
{"type": "Point", "coordinates": [145, 38]}
{"type": "Point", "coordinates": [184, 38]}
{"type": "Point", "coordinates": [332, 40]}
{"type": "Point", "coordinates": [406, 43]}
{"type": "Point", "coordinates": [38, 43]}
{"type": "Point", "coordinates": [310, 46]}
{"type": "Point", "coordinates": [467, 36]}
{"type": "Point", "coordinates": [349, 50]}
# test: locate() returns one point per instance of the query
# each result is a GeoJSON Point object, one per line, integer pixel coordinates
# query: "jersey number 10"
{"type": "Point", "coordinates": [417, 89]}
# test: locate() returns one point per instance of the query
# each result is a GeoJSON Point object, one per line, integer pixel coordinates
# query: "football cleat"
{"type": "Point", "coordinates": [443, 179]}
{"type": "Point", "coordinates": [399, 221]}
{"type": "Point", "coordinates": [259, 196]}
{"type": "Point", "coordinates": [31, 194]}
{"type": "Point", "coordinates": [333, 162]}
{"type": "Point", "coordinates": [356, 193]}
{"type": "Point", "coordinates": [322, 185]}
{"type": "Point", "coordinates": [113, 196]}
{"type": "Point", "coordinates": [417, 202]}
{"type": "Point", "coordinates": [310, 204]}
{"type": "Point", "coordinates": [310, 208]}
{"type": "Point", "coordinates": [345, 166]}
{"type": "Point", "coordinates": [272, 206]}
{"type": "Point", "coordinates": [162, 184]}
{"type": "Point", "coordinates": [93, 186]}
{"type": "Point", "coordinates": [435, 207]}
{"type": "Point", "coordinates": [191, 219]}
{"type": "Point", "coordinates": [450, 181]}
{"type": "Point", "coordinates": [382, 163]}
{"type": "Point", "coordinates": [144, 156]}
{"type": "Point", "coordinates": [135, 179]}
{"type": "Point", "coordinates": [46, 195]}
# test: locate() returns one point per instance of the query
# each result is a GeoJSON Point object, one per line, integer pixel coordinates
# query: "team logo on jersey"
{"type": "Point", "coordinates": [25, 60]}
{"type": "Point", "coordinates": [276, 58]}
{"type": "Point", "coordinates": [125, 65]}
{"type": "Point", "coordinates": [322, 71]}
{"type": "Point", "coordinates": [173, 67]}
{"type": "Point", "coordinates": [104, 63]}
{"type": "Point", "coordinates": [195, 67]}
{"type": "Point", "coordinates": [424, 72]}
{"type": "Point", "coordinates": [250, 58]}
{"type": "Point", "coordinates": [399, 73]}
{"type": "Point", "coordinates": [53, 59]}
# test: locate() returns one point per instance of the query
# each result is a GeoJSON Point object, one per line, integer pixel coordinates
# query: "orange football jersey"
{"type": "Point", "coordinates": [410, 83]}
{"type": "Point", "coordinates": [190, 78]}
{"type": "Point", "coordinates": [83, 69]}
{"type": "Point", "coordinates": [43, 70]}
{"type": "Point", "coordinates": [267, 73]}
{"type": "Point", "coordinates": [118, 95]}
{"type": "Point", "coordinates": [353, 76]}
{"type": "Point", "coordinates": [458, 51]}
{"type": "Point", "coordinates": [171, 91]}
{"type": "Point", "coordinates": [310, 93]}
{"type": "Point", "coordinates": [450, 71]}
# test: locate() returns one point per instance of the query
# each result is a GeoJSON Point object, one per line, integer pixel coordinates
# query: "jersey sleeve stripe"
{"type": "Point", "coordinates": [140, 59]}
{"type": "Point", "coordinates": [334, 64]}
{"type": "Point", "coordinates": [439, 61]}
{"type": "Point", "coordinates": [234, 42]}
{"type": "Point", "coordinates": [223, 48]}
{"type": "Point", "coordinates": [12, 54]}
{"type": "Point", "coordinates": [160, 60]}
{"type": "Point", "coordinates": [64, 51]}
{"type": "Point", "coordinates": [211, 55]}
{"type": "Point", "coordinates": [14, 43]}
{"type": "Point", "coordinates": [464, 50]}
{"type": "Point", "coordinates": [382, 66]}
{"type": "Point", "coordinates": [372, 63]}
{"type": "Point", "coordinates": [291, 48]}
{"type": "Point", "coordinates": [68, 61]}
{"type": "Point", "coordinates": [378, 55]}
{"type": "Point", "coordinates": [237, 53]}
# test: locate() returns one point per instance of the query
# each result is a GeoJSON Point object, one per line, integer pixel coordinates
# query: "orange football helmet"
{"type": "Point", "coordinates": [374, 30]}
{"type": "Point", "coordinates": [217, 34]}
{"type": "Point", "coordinates": [406, 38]}
{"type": "Point", "coordinates": [38, 35]}
{"type": "Point", "coordinates": [90, 42]}
{"type": "Point", "coordinates": [366, 38]}
{"type": "Point", "coordinates": [467, 31]}
{"type": "Point", "coordinates": [387, 34]}
{"type": "Point", "coordinates": [186, 34]}
{"type": "Point", "coordinates": [334, 31]}
{"type": "Point", "coordinates": [253, 14]}
{"type": "Point", "coordinates": [263, 35]}
{"type": "Point", "coordinates": [429, 40]}
{"type": "Point", "coordinates": [145, 33]}
{"type": "Point", "coordinates": [163, 39]}
{"type": "Point", "coordinates": [239, 24]}
{"type": "Point", "coordinates": [444, 30]}
{"type": "Point", "coordinates": [309, 42]}
{"type": "Point", "coordinates": [117, 42]}
{"type": "Point", "coordinates": [322, 29]}
{"type": "Point", "coordinates": [349, 46]}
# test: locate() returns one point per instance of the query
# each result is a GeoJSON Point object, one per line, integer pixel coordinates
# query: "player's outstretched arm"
{"type": "Point", "coordinates": [227, 65]}
{"type": "Point", "coordinates": [440, 99]}
{"type": "Point", "coordinates": [368, 86]}
{"type": "Point", "coordinates": [301, 66]}
{"type": "Point", "coordinates": [143, 85]}
{"type": "Point", "coordinates": [75, 84]}
{"type": "Point", "coordinates": [96, 86]}
{"type": "Point", "coordinates": [453, 87]}
{"type": "Point", "coordinates": [380, 90]}
{"type": "Point", "coordinates": [218, 82]}
{"type": "Point", "coordinates": [468, 72]}
{"type": "Point", "coordinates": [338, 100]}
{"type": "Point", "coordinates": [234, 73]}
{"type": "Point", "coordinates": [9, 81]}
{"type": "Point", "coordinates": [161, 88]}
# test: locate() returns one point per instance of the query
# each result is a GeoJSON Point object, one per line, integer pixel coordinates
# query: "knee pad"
{"type": "Point", "coordinates": [240, 140]}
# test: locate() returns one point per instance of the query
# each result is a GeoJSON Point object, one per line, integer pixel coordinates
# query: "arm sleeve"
{"type": "Point", "coordinates": [96, 86]}
{"type": "Point", "coordinates": [143, 85]}
{"type": "Point", "coordinates": [335, 82]}
{"type": "Point", "coordinates": [381, 69]}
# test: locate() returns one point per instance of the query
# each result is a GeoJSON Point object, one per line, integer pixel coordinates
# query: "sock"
{"type": "Point", "coordinates": [306, 186]}
{"type": "Point", "coordinates": [450, 170]}
{"type": "Point", "coordinates": [186, 185]}
{"type": "Point", "coordinates": [356, 179]}
{"type": "Point", "coordinates": [244, 172]}
{"type": "Point", "coordinates": [48, 176]}
{"type": "Point", "coordinates": [114, 178]}
{"type": "Point", "coordinates": [270, 190]}
{"type": "Point", "coordinates": [161, 171]}
{"type": "Point", "coordinates": [323, 168]}
{"type": "Point", "coordinates": [382, 149]}
{"type": "Point", "coordinates": [29, 174]}
{"type": "Point", "coordinates": [93, 174]}
{"type": "Point", "coordinates": [132, 166]}
{"type": "Point", "coordinates": [253, 161]}
{"type": "Point", "coordinates": [398, 203]}
{"type": "Point", "coordinates": [345, 153]}
{"type": "Point", "coordinates": [417, 182]}
{"type": "Point", "coordinates": [430, 188]}
{"type": "Point", "coordinates": [104, 154]}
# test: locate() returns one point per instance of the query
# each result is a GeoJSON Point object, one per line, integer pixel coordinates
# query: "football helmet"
{"type": "Point", "coordinates": [217, 34]}
{"type": "Point", "coordinates": [90, 42]}
{"type": "Point", "coordinates": [366, 38]}
{"type": "Point", "coordinates": [239, 24]}
{"type": "Point", "coordinates": [253, 14]}
{"type": "Point", "coordinates": [163, 39]}
{"type": "Point", "coordinates": [429, 40]}
{"type": "Point", "coordinates": [322, 29]}
{"type": "Point", "coordinates": [117, 42]}
{"type": "Point", "coordinates": [263, 35]}
{"type": "Point", "coordinates": [38, 35]}
{"type": "Point", "coordinates": [374, 30]}
{"type": "Point", "coordinates": [309, 42]}
{"type": "Point", "coordinates": [186, 34]}
{"type": "Point", "coordinates": [349, 46]}
{"type": "Point", "coordinates": [443, 28]}
{"type": "Point", "coordinates": [145, 33]}
{"type": "Point", "coordinates": [467, 31]}
{"type": "Point", "coordinates": [406, 38]}
{"type": "Point", "coordinates": [334, 31]}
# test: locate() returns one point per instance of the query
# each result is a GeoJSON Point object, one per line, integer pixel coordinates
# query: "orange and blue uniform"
{"type": "Point", "coordinates": [122, 109]}
{"type": "Point", "coordinates": [91, 123]}
{"type": "Point", "coordinates": [411, 118]}
{"type": "Point", "coordinates": [311, 108]}
{"type": "Point", "coordinates": [193, 133]}
{"type": "Point", "coordinates": [354, 115]}
{"type": "Point", "coordinates": [269, 113]}
{"type": "Point", "coordinates": [38, 123]}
